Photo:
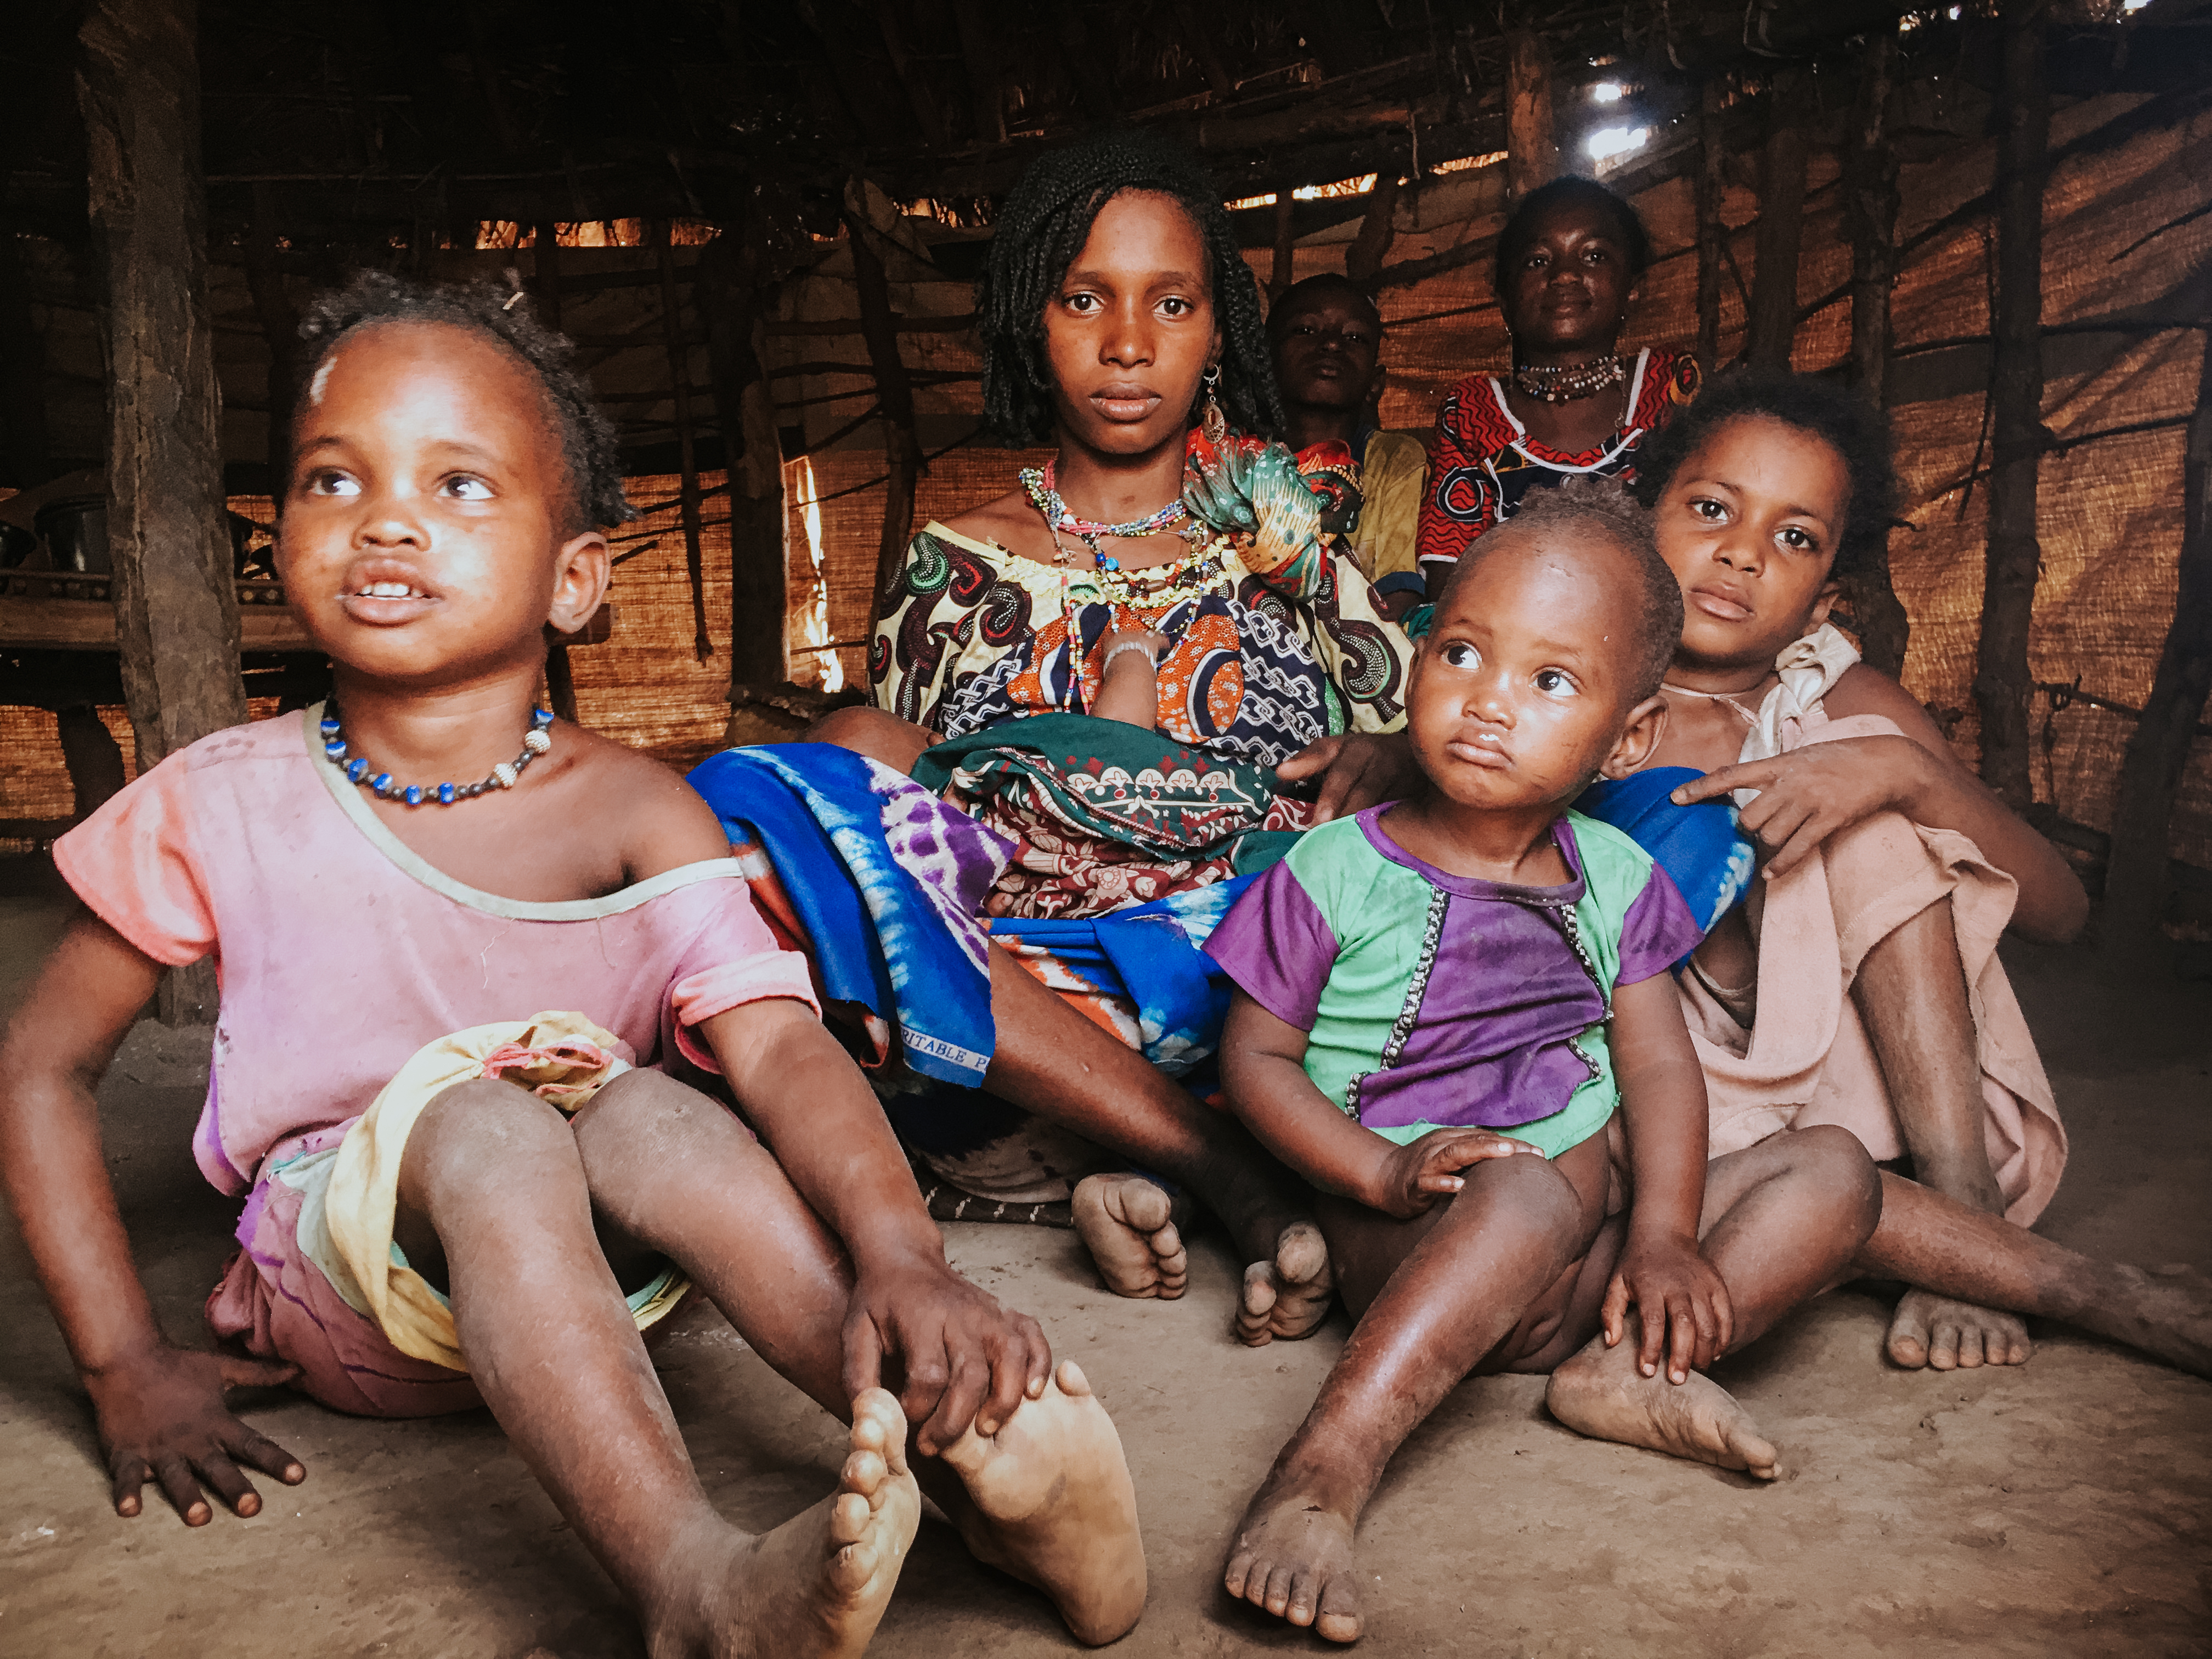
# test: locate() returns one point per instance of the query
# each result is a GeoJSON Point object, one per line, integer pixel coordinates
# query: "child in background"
{"type": "Point", "coordinates": [1440, 1003]}
{"type": "Point", "coordinates": [1860, 985]}
{"type": "Point", "coordinates": [423, 1229]}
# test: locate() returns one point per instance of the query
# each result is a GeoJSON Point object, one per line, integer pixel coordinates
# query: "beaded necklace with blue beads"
{"type": "Point", "coordinates": [535, 742]}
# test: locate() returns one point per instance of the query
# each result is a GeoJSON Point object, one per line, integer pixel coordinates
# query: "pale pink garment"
{"type": "Point", "coordinates": [341, 953]}
{"type": "Point", "coordinates": [1807, 1061]}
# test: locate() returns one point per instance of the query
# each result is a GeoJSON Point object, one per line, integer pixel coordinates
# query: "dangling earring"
{"type": "Point", "coordinates": [1211, 420]}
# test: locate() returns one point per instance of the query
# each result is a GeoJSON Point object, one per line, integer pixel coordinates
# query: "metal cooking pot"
{"type": "Point", "coordinates": [16, 545]}
{"type": "Point", "coordinates": [76, 534]}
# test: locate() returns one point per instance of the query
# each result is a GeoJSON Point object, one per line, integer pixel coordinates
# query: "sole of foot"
{"type": "Point", "coordinates": [1294, 1557]}
{"type": "Point", "coordinates": [1049, 1500]}
{"type": "Point", "coordinates": [1286, 1296]}
{"type": "Point", "coordinates": [816, 1586]}
{"type": "Point", "coordinates": [1601, 1392]}
{"type": "Point", "coordinates": [1129, 1225]}
{"type": "Point", "coordinates": [1934, 1332]}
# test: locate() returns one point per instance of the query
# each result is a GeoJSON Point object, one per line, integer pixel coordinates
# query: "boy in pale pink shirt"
{"type": "Point", "coordinates": [443, 1002]}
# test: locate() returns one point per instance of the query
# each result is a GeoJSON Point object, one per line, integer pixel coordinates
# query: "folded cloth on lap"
{"type": "Point", "coordinates": [1103, 814]}
{"type": "Point", "coordinates": [889, 884]}
{"type": "Point", "coordinates": [561, 1057]}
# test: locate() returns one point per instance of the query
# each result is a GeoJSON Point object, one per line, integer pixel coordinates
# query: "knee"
{"type": "Point", "coordinates": [485, 1131]}
{"type": "Point", "coordinates": [896, 743]}
{"type": "Point", "coordinates": [1837, 1171]}
{"type": "Point", "coordinates": [1540, 1190]}
{"type": "Point", "coordinates": [648, 1111]}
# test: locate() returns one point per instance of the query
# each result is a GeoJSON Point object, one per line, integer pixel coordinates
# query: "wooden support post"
{"type": "Point", "coordinates": [26, 461]}
{"type": "Point", "coordinates": [2002, 683]}
{"type": "Point", "coordinates": [913, 77]}
{"type": "Point", "coordinates": [1371, 250]}
{"type": "Point", "coordinates": [1712, 228]}
{"type": "Point", "coordinates": [680, 376]}
{"type": "Point", "coordinates": [1773, 322]}
{"type": "Point", "coordinates": [978, 45]}
{"type": "Point", "coordinates": [1870, 217]}
{"type": "Point", "coordinates": [176, 607]}
{"type": "Point", "coordinates": [1286, 267]}
{"type": "Point", "coordinates": [732, 288]}
{"type": "Point", "coordinates": [280, 331]}
{"type": "Point", "coordinates": [1532, 148]}
{"type": "Point", "coordinates": [546, 273]}
{"type": "Point", "coordinates": [2140, 873]}
{"type": "Point", "coordinates": [894, 393]}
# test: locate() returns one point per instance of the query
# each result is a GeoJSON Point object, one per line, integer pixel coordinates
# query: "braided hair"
{"type": "Point", "coordinates": [501, 315]}
{"type": "Point", "coordinates": [1043, 226]}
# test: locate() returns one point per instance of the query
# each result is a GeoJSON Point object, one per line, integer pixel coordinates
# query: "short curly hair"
{"type": "Point", "coordinates": [500, 313]}
{"type": "Point", "coordinates": [1572, 190]}
{"type": "Point", "coordinates": [1603, 507]}
{"type": "Point", "coordinates": [1046, 220]}
{"type": "Point", "coordinates": [1845, 421]}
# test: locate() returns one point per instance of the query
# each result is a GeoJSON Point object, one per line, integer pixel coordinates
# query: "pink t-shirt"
{"type": "Point", "coordinates": [340, 953]}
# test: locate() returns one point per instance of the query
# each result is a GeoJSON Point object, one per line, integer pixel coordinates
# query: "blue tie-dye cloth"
{"type": "Point", "coordinates": [889, 883]}
{"type": "Point", "coordinates": [1699, 847]}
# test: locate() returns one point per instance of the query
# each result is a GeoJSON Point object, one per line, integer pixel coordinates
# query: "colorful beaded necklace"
{"type": "Point", "coordinates": [1568, 383]}
{"type": "Point", "coordinates": [535, 742]}
{"type": "Point", "coordinates": [1037, 483]}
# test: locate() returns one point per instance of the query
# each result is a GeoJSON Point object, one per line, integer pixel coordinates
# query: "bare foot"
{"type": "Point", "coordinates": [2165, 1311]}
{"type": "Point", "coordinates": [1601, 1392]}
{"type": "Point", "coordinates": [1928, 1330]}
{"type": "Point", "coordinates": [1049, 1500]}
{"type": "Point", "coordinates": [1128, 1223]}
{"type": "Point", "coordinates": [1293, 1557]}
{"type": "Point", "coordinates": [1286, 1295]}
{"type": "Point", "coordinates": [816, 1586]}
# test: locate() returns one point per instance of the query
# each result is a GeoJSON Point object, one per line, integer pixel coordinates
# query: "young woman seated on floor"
{"type": "Point", "coordinates": [443, 1080]}
{"type": "Point", "coordinates": [1139, 668]}
{"type": "Point", "coordinates": [1858, 983]}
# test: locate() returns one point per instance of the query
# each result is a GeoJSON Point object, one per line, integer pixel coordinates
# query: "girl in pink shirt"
{"type": "Point", "coordinates": [455, 940]}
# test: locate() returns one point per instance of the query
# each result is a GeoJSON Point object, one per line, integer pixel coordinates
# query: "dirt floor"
{"type": "Point", "coordinates": [2061, 1509]}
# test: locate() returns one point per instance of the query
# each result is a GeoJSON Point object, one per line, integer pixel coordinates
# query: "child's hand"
{"type": "Point", "coordinates": [161, 1417]}
{"type": "Point", "coordinates": [1816, 792]}
{"type": "Point", "coordinates": [964, 1358]}
{"type": "Point", "coordinates": [1683, 1304]}
{"type": "Point", "coordinates": [1420, 1172]}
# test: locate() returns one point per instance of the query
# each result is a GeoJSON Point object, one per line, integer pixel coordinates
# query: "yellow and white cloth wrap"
{"type": "Point", "coordinates": [561, 1057]}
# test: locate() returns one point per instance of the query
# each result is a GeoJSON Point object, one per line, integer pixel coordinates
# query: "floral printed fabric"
{"type": "Point", "coordinates": [1482, 460]}
{"type": "Point", "coordinates": [1282, 647]}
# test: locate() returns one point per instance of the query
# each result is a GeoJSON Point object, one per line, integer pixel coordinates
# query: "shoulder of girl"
{"type": "Point", "coordinates": [1864, 690]}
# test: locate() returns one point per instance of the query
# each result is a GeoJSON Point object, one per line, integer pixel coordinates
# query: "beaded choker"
{"type": "Point", "coordinates": [1037, 483]}
{"type": "Point", "coordinates": [1569, 383]}
{"type": "Point", "coordinates": [535, 742]}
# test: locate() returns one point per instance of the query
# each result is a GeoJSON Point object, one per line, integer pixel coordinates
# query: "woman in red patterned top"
{"type": "Point", "coordinates": [1569, 262]}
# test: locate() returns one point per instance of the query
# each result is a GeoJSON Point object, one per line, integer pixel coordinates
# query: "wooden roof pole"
{"type": "Point", "coordinates": [1773, 321]}
{"type": "Point", "coordinates": [2002, 682]}
{"type": "Point", "coordinates": [679, 375]}
{"type": "Point", "coordinates": [1870, 204]}
{"type": "Point", "coordinates": [176, 608]}
{"type": "Point", "coordinates": [894, 394]}
{"type": "Point", "coordinates": [2139, 875]}
{"type": "Point", "coordinates": [730, 286]}
{"type": "Point", "coordinates": [1532, 148]}
{"type": "Point", "coordinates": [1712, 228]}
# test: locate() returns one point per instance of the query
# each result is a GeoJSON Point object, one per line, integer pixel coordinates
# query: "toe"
{"type": "Point", "coordinates": [1339, 1619]}
{"type": "Point", "coordinates": [1072, 1381]}
{"type": "Point", "coordinates": [1302, 1254]}
{"type": "Point", "coordinates": [1944, 1347]}
{"type": "Point", "coordinates": [1972, 1344]}
{"type": "Point", "coordinates": [1259, 1288]}
{"type": "Point", "coordinates": [1139, 1204]}
{"type": "Point", "coordinates": [848, 1519]}
{"type": "Point", "coordinates": [1280, 1583]}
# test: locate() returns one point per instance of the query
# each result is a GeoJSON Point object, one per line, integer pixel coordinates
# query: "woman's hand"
{"type": "Point", "coordinates": [1358, 770]}
{"type": "Point", "coordinates": [161, 1417]}
{"type": "Point", "coordinates": [1415, 1176]}
{"type": "Point", "coordinates": [1681, 1300]}
{"type": "Point", "coordinates": [962, 1357]}
{"type": "Point", "coordinates": [1816, 792]}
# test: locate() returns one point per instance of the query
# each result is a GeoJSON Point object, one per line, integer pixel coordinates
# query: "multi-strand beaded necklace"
{"type": "Point", "coordinates": [1568, 383]}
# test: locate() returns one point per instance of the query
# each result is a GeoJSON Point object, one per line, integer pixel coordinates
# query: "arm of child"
{"type": "Point", "coordinates": [158, 1409]}
{"type": "Point", "coordinates": [1683, 1306]}
{"type": "Point", "coordinates": [1262, 1067]}
{"type": "Point", "coordinates": [1811, 793]}
{"type": "Point", "coordinates": [964, 1358]}
{"type": "Point", "coordinates": [1129, 684]}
